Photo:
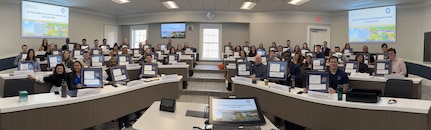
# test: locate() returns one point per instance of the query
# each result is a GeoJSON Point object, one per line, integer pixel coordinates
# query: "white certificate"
{"type": "Point", "coordinates": [117, 72]}
{"type": "Point", "coordinates": [382, 71]}
{"type": "Point", "coordinates": [121, 77]}
{"type": "Point", "coordinates": [349, 65]}
{"type": "Point", "coordinates": [91, 81]}
{"type": "Point", "coordinates": [317, 67]}
{"type": "Point", "coordinates": [350, 70]}
{"type": "Point", "coordinates": [246, 49]}
{"type": "Point", "coordinates": [23, 56]}
{"type": "Point", "coordinates": [316, 62]}
{"type": "Point", "coordinates": [317, 86]}
{"type": "Point", "coordinates": [303, 52]}
{"type": "Point", "coordinates": [123, 63]}
{"type": "Point", "coordinates": [148, 67]}
{"type": "Point", "coordinates": [380, 66]}
{"type": "Point", "coordinates": [347, 51]}
{"type": "Point", "coordinates": [226, 49]}
{"type": "Point", "coordinates": [240, 60]}
{"type": "Point", "coordinates": [243, 72]}
{"type": "Point", "coordinates": [274, 68]}
{"type": "Point", "coordinates": [171, 57]}
{"type": "Point", "coordinates": [380, 57]}
{"type": "Point", "coordinates": [122, 58]}
{"type": "Point", "coordinates": [135, 51]}
{"type": "Point", "coordinates": [55, 52]}
{"type": "Point", "coordinates": [285, 49]}
{"type": "Point", "coordinates": [314, 79]}
{"type": "Point", "coordinates": [95, 59]}
{"type": "Point", "coordinates": [97, 64]}
{"type": "Point", "coordinates": [95, 52]}
{"type": "Point", "coordinates": [235, 53]}
{"type": "Point", "coordinates": [53, 60]}
{"type": "Point", "coordinates": [77, 52]}
{"type": "Point", "coordinates": [145, 47]}
{"type": "Point", "coordinates": [24, 66]}
{"type": "Point", "coordinates": [88, 74]}
{"type": "Point", "coordinates": [149, 72]}
{"type": "Point", "coordinates": [242, 67]}
{"type": "Point", "coordinates": [276, 74]}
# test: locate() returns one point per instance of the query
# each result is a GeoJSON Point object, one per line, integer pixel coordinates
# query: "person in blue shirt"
{"type": "Point", "coordinates": [31, 57]}
{"type": "Point", "coordinates": [258, 69]}
{"type": "Point", "coordinates": [336, 76]}
{"type": "Point", "coordinates": [319, 53]}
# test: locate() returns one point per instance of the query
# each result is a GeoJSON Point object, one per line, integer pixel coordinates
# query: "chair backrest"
{"type": "Point", "coordinates": [399, 88]}
{"type": "Point", "coordinates": [12, 86]}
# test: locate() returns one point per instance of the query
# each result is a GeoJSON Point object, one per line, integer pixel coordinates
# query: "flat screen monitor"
{"type": "Point", "coordinates": [235, 112]}
{"type": "Point", "coordinates": [317, 81]}
{"type": "Point", "coordinates": [351, 66]}
{"type": "Point", "coordinates": [243, 69]}
{"type": "Point", "coordinates": [119, 74]}
{"type": "Point", "coordinates": [123, 59]}
{"type": "Point", "coordinates": [96, 52]}
{"type": "Point", "coordinates": [92, 77]}
{"type": "Point", "coordinates": [318, 63]}
{"type": "Point", "coordinates": [25, 65]}
{"type": "Point", "coordinates": [149, 69]}
{"type": "Point", "coordinates": [276, 70]}
{"type": "Point", "coordinates": [261, 52]}
{"type": "Point", "coordinates": [173, 30]}
{"type": "Point", "coordinates": [382, 68]}
{"type": "Point", "coordinates": [97, 60]}
{"type": "Point", "coordinates": [53, 60]}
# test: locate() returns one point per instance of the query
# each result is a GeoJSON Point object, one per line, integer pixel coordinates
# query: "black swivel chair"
{"type": "Point", "coordinates": [399, 88]}
{"type": "Point", "coordinates": [12, 86]}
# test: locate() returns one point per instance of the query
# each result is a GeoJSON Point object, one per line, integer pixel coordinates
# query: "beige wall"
{"type": "Point", "coordinates": [82, 24]}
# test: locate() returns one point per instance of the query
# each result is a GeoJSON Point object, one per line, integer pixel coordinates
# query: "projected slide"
{"type": "Point", "coordinates": [374, 25]}
{"type": "Point", "coordinates": [44, 21]}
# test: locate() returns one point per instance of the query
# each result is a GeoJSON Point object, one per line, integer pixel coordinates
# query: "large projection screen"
{"type": "Point", "coordinates": [44, 20]}
{"type": "Point", "coordinates": [373, 25]}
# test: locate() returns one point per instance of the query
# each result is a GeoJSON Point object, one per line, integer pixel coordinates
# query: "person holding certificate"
{"type": "Point", "coordinates": [56, 78]}
{"type": "Point", "coordinates": [148, 59]}
{"type": "Point", "coordinates": [258, 69]}
{"type": "Point", "coordinates": [74, 81]}
{"type": "Point", "coordinates": [336, 76]}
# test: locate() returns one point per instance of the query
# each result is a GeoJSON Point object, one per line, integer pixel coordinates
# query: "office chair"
{"type": "Point", "coordinates": [12, 86]}
{"type": "Point", "coordinates": [399, 88]}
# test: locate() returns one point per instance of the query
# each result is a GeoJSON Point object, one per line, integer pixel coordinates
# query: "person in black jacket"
{"type": "Point", "coordinates": [363, 68]}
{"type": "Point", "coordinates": [74, 81]}
{"type": "Point", "coordinates": [56, 78]}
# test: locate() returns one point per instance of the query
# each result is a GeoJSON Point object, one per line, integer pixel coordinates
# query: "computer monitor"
{"type": "Point", "coordinates": [137, 52]}
{"type": "Point", "coordinates": [243, 69]}
{"type": "Point", "coordinates": [92, 77]}
{"type": "Point", "coordinates": [77, 53]}
{"type": "Point", "coordinates": [276, 70]}
{"type": "Point", "coordinates": [56, 52]}
{"type": "Point", "coordinates": [382, 68]}
{"type": "Point", "coordinates": [381, 57]}
{"type": "Point", "coordinates": [317, 81]}
{"type": "Point", "coordinates": [97, 60]}
{"type": "Point", "coordinates": [163, 46]}
{"type": "Point", "coordinates": [351, 66]}
{"type": "Point", "coordinates": [261, 52]}
{"type": "Point", "coordinates": [149, 69]}
{"type": "Point", "coordinates": [235, 112]}
{"type": "Point", "coordinates": [119, 74]}
{"type": "Point", "coordinates": [96, 52]}
{"type": "Point", "coordinates": [318, 63]}
{"type": "Point", "coordinates": [173, 57]}
{"type": "Point", "coordinates": [25, 65]}
{"type": "Point", "coordinates": [53, 60]}
{"type": "Point", "coordinates": [123, 59]}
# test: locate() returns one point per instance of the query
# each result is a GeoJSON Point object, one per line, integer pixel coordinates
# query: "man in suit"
{"type": "Point", "coordinates": [325, 48]}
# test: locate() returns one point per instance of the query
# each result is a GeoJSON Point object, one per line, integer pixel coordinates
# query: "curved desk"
{"type": "Point", "coordinates": [379, 83]}
{"type": "Point", "coordinates": [320, 114]}
{"type": "Point", "coordinates": [50, 111]}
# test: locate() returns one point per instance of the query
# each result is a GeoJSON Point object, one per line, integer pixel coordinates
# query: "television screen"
{"type": "Point", "coordinates": [44, 20]}
{"type": "Point", "coordinates": [373, 25]}
{"type": "Point", "coordinates": [173, 30]}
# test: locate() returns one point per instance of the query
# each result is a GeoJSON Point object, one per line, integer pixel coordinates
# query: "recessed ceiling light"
{"type": "Point", "coordinates": [297, 2]}
{"type": "Point", "coordinates": [248, 5]}
{"type": "Point", "coordinates": [121, 1]}
{"type": "Point", "coordinates": [170, 4]}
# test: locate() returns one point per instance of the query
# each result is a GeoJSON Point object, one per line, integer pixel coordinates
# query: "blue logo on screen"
{"type": "Point", "coordinates": [388, 10]}
{"type": "Point", "coordinates": [62, 10]}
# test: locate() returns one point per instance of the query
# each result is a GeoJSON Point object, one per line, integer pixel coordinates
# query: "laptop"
{"type": "Point", "coordinates": [235, 113]}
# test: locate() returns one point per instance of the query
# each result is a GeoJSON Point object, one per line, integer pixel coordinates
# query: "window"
{"type": "Point", "coordinates": [210, 39]}
{"type": "Point", "coordinates": [139, 34]}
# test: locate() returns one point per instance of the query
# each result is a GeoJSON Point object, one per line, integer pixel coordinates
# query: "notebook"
{"type": "Point", "coordinates": [235, 113]}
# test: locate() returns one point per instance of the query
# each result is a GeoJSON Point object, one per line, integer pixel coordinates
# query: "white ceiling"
{"type": "Point", "coordinates": [148, 6]}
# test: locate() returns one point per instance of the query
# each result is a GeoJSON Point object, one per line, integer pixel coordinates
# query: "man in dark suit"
{"type": "Point", "coordinates": [325, 48]}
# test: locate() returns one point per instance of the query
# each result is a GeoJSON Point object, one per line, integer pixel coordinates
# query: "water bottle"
{"type": "Point", "coordinates": [340, 92]}
{"type": "Point", "coordinates": [63, 89]}
{"type": "Point", "coordinates": [292, 81]}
